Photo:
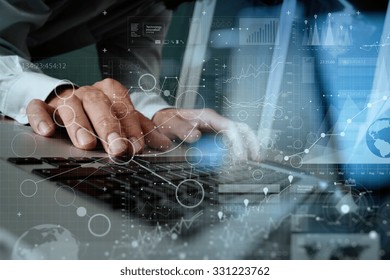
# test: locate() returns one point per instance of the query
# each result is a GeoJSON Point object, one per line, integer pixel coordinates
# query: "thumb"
{"type": "Point", "coordinates": [40, 117]}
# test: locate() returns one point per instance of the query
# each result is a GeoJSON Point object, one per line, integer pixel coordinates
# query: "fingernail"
{"type": "Point", "coordinates": [83, 136]}
{"type": "Point", "coordinates": [136, 144]}
{"type": "Point", "coordinates": [43, 128]}
{"type": "Point", "coordinates": [194, 136]}
{"type": "Point", "coordinates": [116, 145]}
{"type": "Point", "coordinates": [168, 144]}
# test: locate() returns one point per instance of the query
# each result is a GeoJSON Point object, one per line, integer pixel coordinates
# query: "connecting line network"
{"type": "Point", "coordinates": [342, 133]}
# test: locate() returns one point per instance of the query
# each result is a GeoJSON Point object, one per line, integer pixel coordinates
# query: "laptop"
{"type": "Point", "coordinates": [58, 202]}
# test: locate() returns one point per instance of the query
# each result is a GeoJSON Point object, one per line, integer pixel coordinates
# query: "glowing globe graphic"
{"type": "Point", "coordinates": [378, 138]}
{"type": "Point", "coordinates": [46, 242]}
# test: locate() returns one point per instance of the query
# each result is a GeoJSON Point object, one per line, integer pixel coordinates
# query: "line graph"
{"type": "Point", "coordinates": [253, 72]}
{"type": "Point", "coordinates": [377, 45]}
{"type": "Point", "coordinates": [259, 103]}
{"type": "Point", "coordinates": [344, 125]}
{"type": "Point", "coordinates": [145, 242]}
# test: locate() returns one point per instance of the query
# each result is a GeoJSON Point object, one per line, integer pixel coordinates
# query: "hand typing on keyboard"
{"type": "Point", "coordinates": [188, 125]}
{"type": "Point", "coordinates": [105, 112]}
{"type": "Point", "coordinates": [102, 111]}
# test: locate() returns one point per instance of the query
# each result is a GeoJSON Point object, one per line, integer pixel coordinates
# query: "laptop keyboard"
{"type": "Point", "coordinates": [155, 188]}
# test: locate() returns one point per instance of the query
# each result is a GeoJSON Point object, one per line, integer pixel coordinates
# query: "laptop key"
{"type": "Point", "coordinates": [25, 160]}
{"type": "Point", "coordinates": [158, 168]}
{"type": "Point", "coordinates": [183, 165]}
{"type": "Point", "coordinates": [118, 170]}
{"type": "Point", "coordinates": [66, 164]}
{"type": "Point", "coordinates": [132, 180]}
{"type": "Point", "coordinates": [173, 166]}
{"type": "Point", "coordinates": [186, 174]}
{"type": "Point", "coordinates": [162, 160]}
{"type": "Point", "coordinates": [57, 174]}
{"type": "Point", "coordinates": [104, 184]}
{"type": "Point", "coordinates": [147, 178]}
{"type": "Point", "coordinates": [82, 159]}
{"type": "Point", "coordinates": [60, 162]}
{"type": "Point", "coordinates": [199, 173]}
{"type": "Point", "coordinates": [51, 160]}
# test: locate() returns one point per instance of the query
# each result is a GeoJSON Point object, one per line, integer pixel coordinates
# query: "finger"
{"type": "Point", "coordinates": [210, 121]}
{"type": "Point", "coordinates": [113, 89]}
{"type": "Point", "coordinates": [171, 123]}
{"type": "Point", "coordinates": [153, 137]}
{"type": "Point", "coordinates": [242, 139]}
{"type": "Point", "coordinates": [97, 106]}
{"type": "Point", "coordinates": [250, 140]}
{"type": "Point", "coordinates": [74, 119]}
{"type": "Point", "coordinates": [237, 146]}
{"type": "Point", "coordinates": [123, 110]}
{"type": "Point", "coordinates": [182, 129]}
{"type": "Point", "coordinates": [133, 131]}
{"type": "Point", "coordinates": [39, 116]}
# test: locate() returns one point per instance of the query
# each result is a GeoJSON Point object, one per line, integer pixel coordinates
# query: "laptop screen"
{"type": "Point", "coordinates": [356, 86]}
{"type": "Point", "coordinates": [329, 105]}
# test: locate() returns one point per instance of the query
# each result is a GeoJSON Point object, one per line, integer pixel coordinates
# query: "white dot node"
{"type": "Point", "coordinates": [385, 97]}
{"type": "Point", "coordinates": [307, 151]}
{"type": "Point", "coordinates": [323, 135]}
{"type": "Point", "coordinates": [373, 234]}
{"type": "Point", "coordinates": [342, 134]}
{"type": "Point", "coordinates": [286, 158]}
{"type": "Point", "coordinates": [345, 209]}
{"type": "Point", "coordinates": [349, 121]}
{"type": "Point", "coordinates": [81, 211]}
{"type": "Point", "coordinates": [182, 256]}
{"type": "Point", "coordinates": [369, 105]}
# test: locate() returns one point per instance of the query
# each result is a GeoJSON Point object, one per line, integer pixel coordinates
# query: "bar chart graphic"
{"type": "Point", "coordinates": [259, 31]}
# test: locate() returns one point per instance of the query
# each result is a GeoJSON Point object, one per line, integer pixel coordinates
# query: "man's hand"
{"type": "Point", "coordinates": [102, 111]}
{"type": "Point", "coordinates": [188, 125]}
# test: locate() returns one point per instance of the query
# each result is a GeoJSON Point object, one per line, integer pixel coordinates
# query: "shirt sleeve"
{"type": "Point", "coordinates": [18, 86]}
{"type": "Point", "coordinates": [20, 80]}
{"type": "Point", "coordinates": [149, 104]}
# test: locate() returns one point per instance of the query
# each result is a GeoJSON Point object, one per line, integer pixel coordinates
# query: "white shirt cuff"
{"type": "Point", "coordinates": [25, 87]}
